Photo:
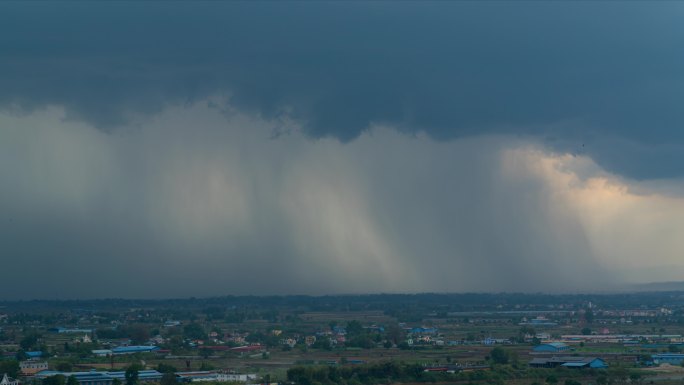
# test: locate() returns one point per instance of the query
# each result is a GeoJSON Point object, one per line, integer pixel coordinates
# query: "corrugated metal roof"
{"type": "Point", "coordinates": [134, 348]}
{"type": "Point", "coordinates": [575, 364]}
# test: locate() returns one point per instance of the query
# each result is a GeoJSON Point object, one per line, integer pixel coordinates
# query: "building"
{"type": "Point", "coordinates": [443, 369]}
{"type": "Point", "coordinates": [203, 376]}
{"type": "Point", "coordinates": [572, 362]}
{"type": "Point", "coordinates": [247, 349]}
{"type": "Point", "coordinates": [493, 341]}
{"type": "Point", "coordinates": [551, 347]}
{"type": "Point", "coordinates": [29, 368]}
{"type": "Point", "coordinates": [102, 378]}
{"type": "Point", "coordinates": [8, 381]}
{"type": "Point", "coordinates": [423, 330]}
{"type": "Point", "coordinates": [538, 321]}
{"type": "Point", "coordinates": [34, 355]}
{"type": "Point", "coordinates": [232, 377]}
{"type": "Point", "coordinates": [200, 376]}
{"type": "Point", "coordinates": [61, 330]}
{"type": "Point", "coordinates": [101, 352]}
{"type": "Point", "coordinates": [134, 349]}
{"type": "Point", "coordinates": [143, 376]}
{"type": "Point", "coordinates": [83, 378]}
{"type": "Point", "coordinates": [668, 358]}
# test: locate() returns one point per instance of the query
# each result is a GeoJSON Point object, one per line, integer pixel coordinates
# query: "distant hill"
{"type": "Point", "coordinates": [658, 286]}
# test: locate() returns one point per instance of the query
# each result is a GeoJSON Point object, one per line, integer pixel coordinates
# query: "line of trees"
{"type": "Point", "coordinates": [356, 375]}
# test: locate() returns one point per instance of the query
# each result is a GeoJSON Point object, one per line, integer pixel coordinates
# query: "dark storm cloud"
{"type": "Point", "coordinates": [166, 211]}
{"type": "Point", "coordinates": [600, 78]}
{"type": "Point", "coordinates": [182, 182]}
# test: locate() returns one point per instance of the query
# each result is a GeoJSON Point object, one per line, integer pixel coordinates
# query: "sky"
{"type": "Point", "coordinates": [153, 149]}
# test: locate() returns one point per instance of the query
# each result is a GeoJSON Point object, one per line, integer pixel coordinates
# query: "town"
{"type": "Point", "coordinates": [444, 338]}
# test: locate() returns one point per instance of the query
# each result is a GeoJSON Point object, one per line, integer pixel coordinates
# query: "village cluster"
{"type": "Point", "coordinates": [259, 342]}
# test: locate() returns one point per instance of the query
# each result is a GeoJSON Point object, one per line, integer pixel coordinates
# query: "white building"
{"type": "Point", "coordinates": [29, 368]}
{"type": "Point", "coordinates": [102, 352]}
{"type": "Point", "coordinates": [211, 376]}
{"type": "Point", "coordinates": [231, 377]}
{"type": "Point", "coordinates": [8, 381]}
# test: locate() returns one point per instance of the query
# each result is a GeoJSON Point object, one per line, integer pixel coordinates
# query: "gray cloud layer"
{"type": "Point", "coordinates": [599, 78]}
{"type": "Point", "coordinates": [171, 149]}
{"type": "Point", "coordinates": [219, 209]}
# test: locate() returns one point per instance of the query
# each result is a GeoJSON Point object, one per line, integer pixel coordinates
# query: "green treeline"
{"type": "Point", "coordinates": [399, 372]}
{"type": "Point", "coordinates": [382, 373]}
{"type": "Point", "coordinates": [361, 374]}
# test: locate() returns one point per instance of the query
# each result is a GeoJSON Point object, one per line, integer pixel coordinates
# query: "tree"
{"type": "Point", "coordinates": [635, 378]}
{"type": "Point", "coordinates": [168, 379]}
{"type": "Point", "coordinates": [572, 382]}
{"type": "Point", "coordinates": [361, 341]}
{"type": "Point", "coordinates": [55, 380]}
{"type": "Point", "coordinates": [395, 334]}
{"type": "Point", "coordinates": [499, 355]}
{"type": "Point", "coordinates": [526, 330]}
{"type": "Point", "coordinates": [21, 355]}
{"type": "Point", "coordinates": [132, 374]}
{"type": "Point", "coordinates": [643, 358]}
{"type": "Point", "coordinates": [354, 327]}
{"type": "Point", "coordinates": [139, 334]}
{"type": "Point", "coordinates": [166, 368]}
{"type": "Point", "coordinates": [322, 342]}
{"type": "Point", "coordinates": [11, 367]}
{"type": "Point", "coordinates": [71, 380]}
{"type": "Point", "coordinates": [205, 352]}
{"type": "Point", "coordinates": [175, 343]}
{"type": "Point", "coordinates": [29, 341]}
{"type": "Point", "coordinates": [64, 366]}
{"type": "Point", "coordinates": [586, 331]}
{"type": "Point", "coordinates": [215, 313]}
{"type": "Point", "coordinates": [194, 331]}
{"type": "Point", "coordinates": [619, 373]}
{"type": "Point", "coordinates": [551, 379]}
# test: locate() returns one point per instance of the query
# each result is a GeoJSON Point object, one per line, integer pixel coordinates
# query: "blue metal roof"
{"type": "Point", "coordinates": [48, 373]}
{"type": "Point", "coordinates": [94, 375]}
{"type": "Point", "coordinates": [142, 374]}
{"type": "Point", "coordinates": [91, 376]}
{"type": "Point", "coordinates": [551, 346]}
{"type": "Point", "coordinates": [575, 364]}
{"type": "Point", "coordinates": [134, 349]}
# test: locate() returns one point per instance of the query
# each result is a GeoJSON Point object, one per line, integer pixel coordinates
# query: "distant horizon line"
{"type": "Point", "coordinates": [649, 287]}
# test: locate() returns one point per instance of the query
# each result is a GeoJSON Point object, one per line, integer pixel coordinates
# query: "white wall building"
{"type": "Point", "coordinates": [8, 381]}
{"type": "Point", "coordinates": [32, 367]}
